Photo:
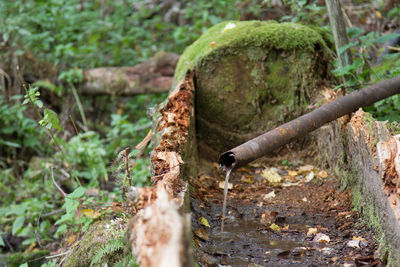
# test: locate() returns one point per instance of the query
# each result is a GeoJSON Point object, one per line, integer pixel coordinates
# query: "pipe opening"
{"type": "Point", "coordinates": [227, 160]}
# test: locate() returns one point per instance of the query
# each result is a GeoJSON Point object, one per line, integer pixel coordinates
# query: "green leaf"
{"type": "Point", "coordinates": [2, 242]}
{"type": "Point", "coordinates": [39, 103]}
{"type": "Point", "coordinates": [18, 224]}
{"type": "Point", "coordinates": [71, 205]}
{"type": "Point", "coordinates": [354, 32]}
{"type": "Point", "coordinates": [387, 38]}
{"type": "Point", "coordinates": [9, 143]}
{"type": "Point", "coordinates": [23, 265]}
{"type": "Point", "coordinates": [345, 47]}
{"type": "Point", "coordinates": [48, 85]}
{"type": "Point", "coordinates": [52, 118]}
{"type": "Point", "coordinates": [80, 191]}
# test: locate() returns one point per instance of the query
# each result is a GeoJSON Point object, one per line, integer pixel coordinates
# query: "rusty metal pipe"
{"type": "Point", "coordinates": [269, 141]}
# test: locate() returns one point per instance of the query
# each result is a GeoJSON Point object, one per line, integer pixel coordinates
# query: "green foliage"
{"type": "Point", "coordinates": [17, 130]}
{"type": "Point", "coordinates": [304, 12]}
{"type": "Point", "coordinates": [71, 76]}
{"type": "Point", "coordinates": [86, 155]}
{"type": "Point", "coordinates": [102, 33]}
{"type": "Point", "coordinates": [71, 204]}
{"type": "Point", "coordinates": [109, 249]}
{"type": "Point", "coordinates": [361, 72]}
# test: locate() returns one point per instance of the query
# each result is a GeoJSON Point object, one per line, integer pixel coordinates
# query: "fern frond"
{"type": "Point", "coordinates": [112, 246]}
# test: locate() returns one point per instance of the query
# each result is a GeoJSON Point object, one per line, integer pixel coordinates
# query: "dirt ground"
{"type": "Point", "coordinates": [300, 219]}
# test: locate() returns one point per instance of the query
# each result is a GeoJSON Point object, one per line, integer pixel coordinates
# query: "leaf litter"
{"type": "Point", "coordinates": [277, 215]}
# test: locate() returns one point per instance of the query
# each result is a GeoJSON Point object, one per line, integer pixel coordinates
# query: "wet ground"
{"type": "Point", "coordinates": [277, 216]}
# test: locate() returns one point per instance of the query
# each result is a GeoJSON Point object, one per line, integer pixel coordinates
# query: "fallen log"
{"type": "Point", "coordinates": [153, 76]}
{"type": "Point", "coordinates": [267, 142]}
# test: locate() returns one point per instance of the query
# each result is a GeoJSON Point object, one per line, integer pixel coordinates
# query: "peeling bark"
{"type": "Point", "coordinates": [153, 76]}
{"type": "Point", "coordinates": [159, 234]}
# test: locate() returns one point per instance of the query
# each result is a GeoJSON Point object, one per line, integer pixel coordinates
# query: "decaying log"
{"type": "Point", "coordinates": [265, 143]}
{"type": "Point", "coordinates": [160, 233]}
{"type": "Point", "coordinates": [153, 76]}
{"type": "Point", "coordinates": [365, 157]}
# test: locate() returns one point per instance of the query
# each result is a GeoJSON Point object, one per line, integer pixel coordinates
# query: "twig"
{"type": "Point", "coordinates": [36, 231]}
{"type": "Point", "coordinates": [73, 123]}
{"type": "Point", "coordinates": [80, 107]}
{"type": "Point", "coordinates": [58, 187]}
{"type": "Point", "coordinates": [143, 127]}
{"type": "Point", "coordinates": [58, 255]}
{"type": "Point", "coordinates": [127, 166]}
{"type": "Point", "coordinates": [394, 48]}
{"type": "Point", "coordinates": [66, 174]}
{"type": "Point", "coordinates": [51, 213]}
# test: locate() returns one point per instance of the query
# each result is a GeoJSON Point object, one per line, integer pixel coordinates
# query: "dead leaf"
{"type": "Point", "coordinates": [71, 239]}
{"type": "Point", "coordinates": [275, 227]}
{"type": "Point", "coordinates": [320, 237]}
{"type": "Point", "coordinates": [309, 177]}
{"type": "Point", "coordinates": [269, 195]}
{"type": "Point", "coordinates": [221, 185]}
{"type": "Point", "coordinates": [271, 175]}
{"type": "Point", "coordinates": [246, 179]}
{"type": "Point", "coordinates": [90, 213]}
{"type": "Point", "coordinates": [354, 243]}
{"type": "Point", "coordinates": [305, 169]}
{"type": "Point", "coordinates": [292, 173]}
{"type": "Point", "coordinates": [202, 234]}
{"type": "Point", "coordinates": [204, 222]}
{"type": "Point", "coordinates": [322, 174]}
{"type": "Point", "coordinates": [268, 217]}
{"type": "Point", "coordinates": [312, 231]}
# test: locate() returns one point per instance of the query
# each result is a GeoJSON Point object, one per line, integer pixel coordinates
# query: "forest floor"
{"type": "Point", "coordinates": [292, 215]}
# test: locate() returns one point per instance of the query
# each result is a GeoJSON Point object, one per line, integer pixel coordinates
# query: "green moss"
{"type": "Point", "coordinates": [269, 34]}
{"type": "Point", "coordinates": [33, 258]}
{"type": "Point", "coordinates": [393, 127]}
{"type": "Point", "coordinates": [93, 242]}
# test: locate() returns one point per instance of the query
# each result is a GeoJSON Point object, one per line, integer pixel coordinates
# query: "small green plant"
{"type": "Point", "coordinates": [71, 205]}
{"type": "Point", "coordinates": [115, 245]}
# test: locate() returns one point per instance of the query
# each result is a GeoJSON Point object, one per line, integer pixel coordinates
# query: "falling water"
{"type": "Point", "coordinates": [228, 172]}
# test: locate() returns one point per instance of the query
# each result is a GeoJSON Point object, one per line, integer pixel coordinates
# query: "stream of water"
{"type": "Point", "coordinates": [228, 172]}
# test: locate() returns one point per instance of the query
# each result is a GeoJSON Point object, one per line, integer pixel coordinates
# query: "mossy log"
{"type": "Point", "coordinates": [365, 156]}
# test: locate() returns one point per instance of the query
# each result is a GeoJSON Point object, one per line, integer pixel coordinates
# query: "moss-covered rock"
{"type": "Point", "coordinates": [252, 76]}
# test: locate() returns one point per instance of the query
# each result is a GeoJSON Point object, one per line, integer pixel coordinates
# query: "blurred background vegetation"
{"type": "Point", "coordinates": [46, 43]}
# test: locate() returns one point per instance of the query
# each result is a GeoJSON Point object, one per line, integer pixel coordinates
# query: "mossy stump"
{"type": "Point", "coordinates": [252, 76]}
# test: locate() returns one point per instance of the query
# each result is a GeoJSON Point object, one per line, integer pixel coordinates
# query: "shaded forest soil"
{"type": "Point", "coordinates": [270, 229]}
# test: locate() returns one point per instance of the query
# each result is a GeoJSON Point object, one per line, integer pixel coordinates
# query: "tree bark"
{"type": "Point", "coordinates": [339, 31]}
{"type": "Point", "coordinates": [153, 76]}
